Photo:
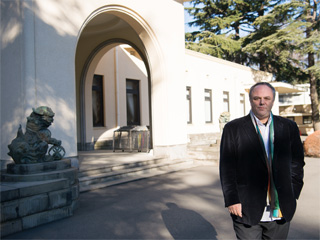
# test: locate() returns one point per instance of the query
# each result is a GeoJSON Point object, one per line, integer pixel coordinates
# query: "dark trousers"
{"type": "Point", "coordinates": [264, 230]}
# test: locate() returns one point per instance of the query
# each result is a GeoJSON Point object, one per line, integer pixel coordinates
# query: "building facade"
{"type": "Point", "coordinates": [104, 64]}
{"type": "Point", "coordinates": [296, 105]}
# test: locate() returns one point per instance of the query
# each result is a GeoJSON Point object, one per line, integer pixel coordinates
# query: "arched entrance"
{"type": "Point", "coordinates": [102, 37]}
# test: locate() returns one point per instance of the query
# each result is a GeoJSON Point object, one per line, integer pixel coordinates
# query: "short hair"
{"type": "Point", "coordinates": [263, 84]}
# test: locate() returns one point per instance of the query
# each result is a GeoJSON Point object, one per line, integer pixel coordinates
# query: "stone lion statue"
{"type": "Point", "coordinates": [32, 146]}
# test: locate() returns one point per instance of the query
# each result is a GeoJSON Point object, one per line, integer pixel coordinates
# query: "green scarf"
{"type": "Point", "coordinates": [272, 192]}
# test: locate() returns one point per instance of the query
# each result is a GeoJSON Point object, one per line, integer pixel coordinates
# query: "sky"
{"type": "Point", "coordinates": [188, 18]}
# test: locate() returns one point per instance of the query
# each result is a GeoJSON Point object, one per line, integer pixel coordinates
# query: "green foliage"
{"type": "Point", "coordinates": [280, 35]}
{"type": "Point", "coordinates": [221, 46]}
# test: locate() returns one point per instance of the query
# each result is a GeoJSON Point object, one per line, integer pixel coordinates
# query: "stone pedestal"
{"type": "Point", "coordinates": [34, 194]}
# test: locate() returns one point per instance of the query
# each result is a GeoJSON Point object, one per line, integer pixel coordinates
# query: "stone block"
{"type": "Point", "coordinates": [11, 227]}
{"type": "Point", "coordinates": [15, 190]}
{"type": "Point", "coordinates": [34, 204]}
{"type": "Point", "coordinates": [70, 174]}
{"type": "Point", "coordinates": [75, 191]}
{"type": "Point", "coordinates": [60, 198]}
{"type": "Point", "coordinates": [44, 187]}
{"type": "Point", "coordinates": [8, 192]}
{"type": "Point", "coordinates": [33, 168]}
{"type": "Point", "coordinates": [312, 145]}
{"type": "Point", "coordinates": [45, 217]}
{"type": "Point", "coordinates": [9, 210]}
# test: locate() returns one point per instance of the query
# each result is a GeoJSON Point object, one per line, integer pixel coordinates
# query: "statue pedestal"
{"type": "Point", "coordinates": [34, 194]}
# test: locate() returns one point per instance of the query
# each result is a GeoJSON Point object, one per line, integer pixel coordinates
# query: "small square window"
{"type": "Point", "coordinates": [307, 119]}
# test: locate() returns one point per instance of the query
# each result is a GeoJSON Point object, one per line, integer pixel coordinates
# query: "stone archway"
{"type": "Point", "coordinates": [111, 60]}
{"type": "Point", "coordinates": [102, 31]}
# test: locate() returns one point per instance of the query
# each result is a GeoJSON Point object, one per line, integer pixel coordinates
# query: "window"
{"type": "Point", "coordinates": [290, 118]}
{"type": "Point", "coordinates": [208, 105]}
{"type": "Point", "coordinates": [307, 119]}
{"type": "Point", "coordinates": [97, 101]}
{"type": "Point", "coordinates": [226, 101]}
{"type": "Point", "coordinates": [133, 102]}
{"type": "Point", "coordinates": [189, 110]}
{"type": "Point", "coordinates": [242, 104]}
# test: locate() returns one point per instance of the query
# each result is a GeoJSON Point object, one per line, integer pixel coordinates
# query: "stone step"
{"type": "Point", "coordinates": [17, 190]}
{"type": "Point", "coordinates": [70, 174]}
{"type": "Point", "coordinates": [30, 221]}
{"type": "Point", "coordinates": [203, 138]}
{"type": "Point", "coordinates": [25, 169]}
{"type": "Point", "coordinates": [52, 198]}
{"type": "Point", "coordinates": [206, 148]}
{"type": "Point", "coordinates": [28, 204]}
{"type": "Point", "coordinates": [138, 170]}
{"type": "Point", "coordinates": [204, 152]}
{"type": "Point", "coordinates": [37, 193]}
{"type": "Point", "coordinates": [115, 167]}
{"type": "Point", "coordinates": [208, 156]}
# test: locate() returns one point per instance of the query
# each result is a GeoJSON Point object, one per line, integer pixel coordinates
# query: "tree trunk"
{"type": "Point", "coordinates": [314, 102]}
{"type": "Point", "coordinates": [313, 94]}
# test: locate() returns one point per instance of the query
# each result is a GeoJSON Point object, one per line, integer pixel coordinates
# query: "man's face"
{"type": "Point", "coordinates": [261, 102]}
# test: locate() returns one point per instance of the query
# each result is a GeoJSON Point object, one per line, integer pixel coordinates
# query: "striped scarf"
{"type": "Point", "coordinates": [272, 192]}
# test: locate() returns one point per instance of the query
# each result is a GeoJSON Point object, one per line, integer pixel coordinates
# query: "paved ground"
{"type": "Point", "coordinates": [182, 205]}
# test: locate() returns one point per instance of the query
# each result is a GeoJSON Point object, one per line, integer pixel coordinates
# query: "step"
{"type": "Point", "coordinates": [25, 205]}
{"type": "Point", "coordinates": [204, 148]}
{"type": "Point", "coordinates": [16, 190]}
{"type": "Point", "coordinates": [208, 156]}
{"type": "Point", "coordinates": [203, 138]}
{"type": "Point", "coordinates": [204, 152]}
{"type": "Point", "coordinates": [70, 174]}
{"type": "Point", "coordinates": [29, 205]}
{"type": "Point", "coordinates": [37, 193]}
{"type": "Point", "coordinates": [27, 222]}
{"type": "Point", "coordinates": [125, 175]}
{"type": "Point", "coordinates": [109, 168]}
{"type": "Point", "coordinates": [25, 169]}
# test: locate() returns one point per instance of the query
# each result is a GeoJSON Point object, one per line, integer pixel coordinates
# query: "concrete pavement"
{"type": "Point", "coordinates": [181, 205]}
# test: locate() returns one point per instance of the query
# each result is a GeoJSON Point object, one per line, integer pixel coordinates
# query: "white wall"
{"type": "Point", "coordinates": [205, 72]}
{"type": "Point", "coordinates": [41, 65]}
{"type": "Point", "coordinates": [39, 42]}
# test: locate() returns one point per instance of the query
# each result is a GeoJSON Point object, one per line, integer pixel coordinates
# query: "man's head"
{"type": "Point", "coordinates": [262, 97]}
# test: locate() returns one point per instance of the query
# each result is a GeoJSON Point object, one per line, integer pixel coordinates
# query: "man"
{"type": "Point", "coordinates": [261, 169]}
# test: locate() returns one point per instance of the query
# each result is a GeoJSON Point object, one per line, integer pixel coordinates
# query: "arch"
{"type": "Point", "coordinates": [88, 73]}
{"type": "Point", "coordinates": [143, 41]}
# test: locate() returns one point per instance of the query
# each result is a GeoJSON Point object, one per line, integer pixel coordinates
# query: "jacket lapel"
{"type": "Point", "coordinates": [254, 137]}
{"type": "Point", "coordinates": [278, 131]}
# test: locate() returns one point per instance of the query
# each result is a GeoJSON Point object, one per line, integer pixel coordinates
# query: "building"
{"type": "Point", "coordinates": [296, 105]}
{"type": "Point", "coordinates": [104, 64]}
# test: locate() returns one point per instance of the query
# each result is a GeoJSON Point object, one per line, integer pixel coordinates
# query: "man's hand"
{"type": "Point", "coordinates": [236, 209]}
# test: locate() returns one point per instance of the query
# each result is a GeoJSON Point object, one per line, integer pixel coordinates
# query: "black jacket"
{"type": "Point", "coordinates": [243, 169]}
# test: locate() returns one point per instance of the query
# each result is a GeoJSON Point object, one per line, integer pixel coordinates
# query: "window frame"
{"type": "Point", "coordinates": [189, 100]}
{"type": "Point", "coordinates": [136, 92]}
{"type": "Point", "coordinates": [226, 100]}
{"type": "Point", "coordinates": [208, 99]}
{"type": "Point", "coordinates": [243, 102]}
{"type": "Point", "coordinates": [307, 119]}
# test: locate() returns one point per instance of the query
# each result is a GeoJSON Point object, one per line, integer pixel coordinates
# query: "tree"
{"type": "Point", "coordinates": [221, 23]}
{"type": "Point", "coordinates": [312, 49]}
{"type": "Point", "coordinates": [282, 38]}
{"type": "Point", "coordinates": [287, 44]}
